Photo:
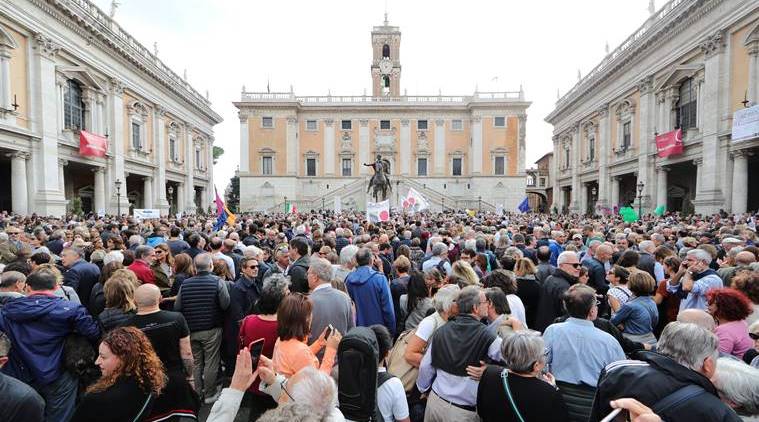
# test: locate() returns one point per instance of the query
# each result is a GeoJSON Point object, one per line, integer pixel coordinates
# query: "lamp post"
{"type": "Point", "coordinates": [322, 203]}
{"type": "Point", "coordinates": [118, 197]}
{"type": "Point", "coordinates": [479, 204]}
{"type": "Point", "coordinates": [641, 185]}
{"type": "Point", "coordinates": [593, 199]}
{"type": "Point", "coordinates": [171, 197]}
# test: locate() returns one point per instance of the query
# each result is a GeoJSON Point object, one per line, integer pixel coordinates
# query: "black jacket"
{"type": "Point", "coordinates": [653, 378]}
{"type": "Point", "coordinates": [596, 275]}
{"type": "Point", "coordinates": [82, 277]}
{"type": "Point", "coordinates": [545, 269]}
{"type": "Point", "coordinates": [202, 300]}
{"type": "Point", "coordinates": [297, 273]}
{"type": "Point", "coordinates": [646, 263]}
{"type": "Point", "coordinates": [550, 305]}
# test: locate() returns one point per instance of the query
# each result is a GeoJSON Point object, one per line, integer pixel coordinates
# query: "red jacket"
{"type": "Point", "coordinates": [143, 272]}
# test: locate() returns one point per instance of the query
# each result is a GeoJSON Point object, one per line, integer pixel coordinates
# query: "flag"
{"type": "Point", "coordinates": [670, 143]}
{"type": "Point", "coordinates": [223, 214]}
{"type": "Point", "coordinates": [524, 206]}
{"type": "Point", "coordinates": [415, 202]}
{"type": "Point", "coordinates": [91, 145]}
{"type": "Point", "coordinates": [290, 208]}
{"type": "Point", "coordinates": [660, 210]}
{"type": "Point", "coordinates": [378, 211]}
{"type": "Point", "coordinates": [471, 213]}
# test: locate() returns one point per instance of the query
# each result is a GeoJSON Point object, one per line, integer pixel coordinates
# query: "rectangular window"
{"type": "Point", "coordinates": [136, 129]}
{"type": "Point", "coordinates": [457, 124]}
{"type": "Point", "coordinates": [421, 167]}
{"type": "Point", "coordinates": [686, 106]}
{"type": "Point", "coordinates": [311, 125]}
{"type": "Point", "coordinates": [542, 182]}
{"type": "Point", "coordinates": [347, 167]}
{"type": "Point", "coordinates": [500, 166]}
{"type": "Point", "coordinates": [626, 137]}
{"type": "Point", "coordinates": [311, 167]}
{"type": "Point", "coordinates": [173, 149]}
{"type": "Point", "coordinates": [591, 149]}
{"type": "Point", "coordinates": [197, 159]}
{"type": "Point", "coordinates": [267, 164]}
{"type": "Point", "coordinates": [385, 124]}
{"type": "Point", "coordinates": [457, 166]}
{"type": "Point", "coordinates": [73, 106]}
{"type": "Point", "coordinates": [346, 124]}
{"type": "Point", "coordinates": [267, 122]}
{"type": "Point", "coordinates": [499, 121]}
{"type": "Point", "coordinates": [421, 125]}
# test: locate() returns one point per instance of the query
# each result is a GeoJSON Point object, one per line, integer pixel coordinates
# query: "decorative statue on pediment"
{"type": "Point", "coordinates": [380, 181]}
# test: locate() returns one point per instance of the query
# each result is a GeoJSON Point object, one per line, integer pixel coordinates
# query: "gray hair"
{"type": "Point", "coordinates": [10, 278]}
{"type": "Point", "coordinates": [647, 246]}
{"type": "Point", "coordinates": [470, 244]}
{"type": "Point", "coordinates": [204, 262]}
{"type": "Point", "coordinates": [468, 299]}
{"type": "Point", "coordinates": [4, 237]}
{"type": "Point", "coordinates": [136, 239]}
{"type": "Point", "coordinates": [316, 389]}
{"type": "Point", "coordinates": [252, 251]}
{"type": "Point", "coordinates": [321, 267]}
{"type": "Point", "coordinates": [445, 298]}
{"type": "Point", "coordinates": [290, 412]}
{"type": "Point", "coordinates": [347, 253]}
{"type": "Point", "coordinates": [440, 248]}
{"type": "Point", "coordinates": [113, 256]}
{"type": "Point", "coordinates": [522, 349]}
{"type": "Point", "coordinates": [5, 345]}
{"type": "Point", "coordinates": [142, 251]}
{"type": "Point", "coordinates": [701, 255]}
{"type": "Point", "coordinates": [564, 257]}
{"type": "Point", "coordinates": [697, 316]}
{"type": "Point", "coordinates": [738, 383]}
{"type": "Point", "coordinates": [688, 344]}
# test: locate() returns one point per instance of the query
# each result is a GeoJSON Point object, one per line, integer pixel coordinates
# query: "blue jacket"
{"type": "Point", "coordinates": [37, 327]}
{"type": "Point", "coordinates": [556, 250]}
{"type": "Point", "coordinates": [82, 277]}
{"type": "Point", "coordinates": [370, 291]}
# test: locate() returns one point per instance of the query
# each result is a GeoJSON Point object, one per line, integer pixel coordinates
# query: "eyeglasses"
{"type": "Point", "coordinates": [574, 264]}
{"type": "Point", "coordinates": [754, 336]}
{"type": "Point", "coordinates": [252, 267]}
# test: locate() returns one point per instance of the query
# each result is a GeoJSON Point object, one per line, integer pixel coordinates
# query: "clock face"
{"type": "Point", "coordinates": [385, 66]}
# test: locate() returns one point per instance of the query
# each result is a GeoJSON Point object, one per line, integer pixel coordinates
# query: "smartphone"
{"type": "Point", "coordinates": [327, 333]}
{"type": "Point", "coordinates": [617, 415]}
{"type": "Point", "coordinates": [255, 349]}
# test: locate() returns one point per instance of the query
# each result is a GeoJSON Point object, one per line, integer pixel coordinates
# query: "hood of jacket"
{"type": "Point", "coordinates": [360, 275]}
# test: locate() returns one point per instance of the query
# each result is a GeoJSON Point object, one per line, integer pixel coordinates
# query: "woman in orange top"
{"type": "Point", "coordinates": [291, 353]}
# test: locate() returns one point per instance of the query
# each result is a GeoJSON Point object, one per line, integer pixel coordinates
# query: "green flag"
{"type": "Point", "coordinates": [660, 210]}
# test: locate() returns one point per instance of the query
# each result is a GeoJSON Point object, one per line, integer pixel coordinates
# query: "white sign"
{"type": "Point", "coordinates": [142, 214]}
{"type": "Point", "coordinates": [179, 216]}
{"type": "Point", "coordinates": [746, 124]}
{"type": "Point", "coordinates": [101, 212]}
{"type": "Point", "coordinates": [378, 211]}
{"type": "Point", "coordinates": [338, 205]}
{"type": "Point", "coordinates": [499, 209]}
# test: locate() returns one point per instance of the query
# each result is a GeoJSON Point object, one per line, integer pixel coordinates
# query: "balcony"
{"type": "Point", "coordinates": [624, 153]}
{"type": "Point", "coordinates": [589, 163]}
{"type": "Point", "coordinates": [139, 154]}
{"type": "Point", "coordinates": [352, 100]}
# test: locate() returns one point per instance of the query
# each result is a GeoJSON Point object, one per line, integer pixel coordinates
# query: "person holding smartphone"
{"type": "Point", "coordinates": [694, 280]}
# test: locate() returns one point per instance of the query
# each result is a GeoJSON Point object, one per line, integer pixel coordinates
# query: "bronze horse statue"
{"type": "Point", "coordinates": [380, 181]}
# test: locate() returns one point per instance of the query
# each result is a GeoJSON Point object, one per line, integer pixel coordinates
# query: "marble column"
{"type": "Point", "coordinates": [604, 143]}
{"type": "Point", "coordinates": [661, 186]}
{"type": "Point", "coordinates": [574, 205]}
{"type": "Point", "coordinates": [698, 162]}
{"type": "Point", "coordinates": [99, 190]}
{"type": "Point", "coordinates": [521, 163]}
{"type": "Point", "coordinates": [753, 71]}
{"type": "Point", "coordinates": [19, 194]}
{"type": "Point", "coordinates": [646, 138]}
{"type": "Point", "coordinates": [614, 192]}
{"type": "Point", "coordinates": [61, 179]}
{"type": "Point", "coordinates": [476, 152]}
{"type": "Point", "coordinates": [180, 193]}
{"type": "Point", "coordinates": [740, 182]}
{"type": "Point", "coordinates": [160, 172]}
{"type": "Point", "coordinates": [554, 175]}
{"type": "Point", "coordinates": [245, 144]}
{"type": "Point", "coordinates": [147, 192]}
{"type": "Point", "coordinates": [209, 194]}
{"type": "Point", "coordinates": [188, 206]}
{"type": "Point", "coordinates": [363, 146]}
{"type": "Point", "coordinates": [405, 148]}
{"type": "Point", "coordinates": [440, 161]}
{"type": "Point", "coordinates": [329, 147]}
{"type": "Point", "coordinates": [116, 140]}
{"type": "Point", "coordinates": [583, 198]}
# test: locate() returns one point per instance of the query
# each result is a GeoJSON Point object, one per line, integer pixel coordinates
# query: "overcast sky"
{"type": "Point", "coordinates": [318, 46]}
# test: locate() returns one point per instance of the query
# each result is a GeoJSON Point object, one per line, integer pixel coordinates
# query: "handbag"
{"type": "Point", "coordinates": [505, 379]}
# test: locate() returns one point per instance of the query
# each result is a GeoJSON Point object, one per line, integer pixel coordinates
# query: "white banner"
{"type": "Point", "coordinates": [142, 214]}
{"type": "Point", "coordinates": [746, 124]}
{"type": "Point", "coordinates": [415, 202]}
{"type": "Point", "coordinates": [499, 209]}
{"type": "Point", "coordinates": [378, 211]}
{"type": "Point", "coordinates": [338, 204]}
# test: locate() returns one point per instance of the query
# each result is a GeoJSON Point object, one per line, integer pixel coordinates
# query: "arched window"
{"type": "Point", "coordinates": [686, 105]}
{"type": "Point", "coordinates": [73, 106]}
{"type": "Point", "coordinates": [386, 51]}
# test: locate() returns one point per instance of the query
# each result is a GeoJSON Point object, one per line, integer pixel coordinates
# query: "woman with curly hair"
{"type": "Point", "coordinates": [730, 307]}
{"type": "Point", "coordinates": [132, 376]}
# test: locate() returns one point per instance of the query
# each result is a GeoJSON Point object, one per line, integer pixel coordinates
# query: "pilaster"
{"type": "Point", "coordinates": [293, 152]}
{"type": "Point", "coordinates": [405, 148]}
{"type": "Point", "coordinates": [604, 143]}
{"type": "Point", "coordinates": [363, 146]}
{"type": "Point", "coordinates": [160, 149]}
{"type": "Point", "coordinates": [245, 143]}
{"type": "Point", "coordinates": [329, 147]}
{"type": "Point", "coordinates": [475, 155]}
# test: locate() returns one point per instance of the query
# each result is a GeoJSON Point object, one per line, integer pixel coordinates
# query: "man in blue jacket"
{"type": "Point", "coordinates": [370, 292]}
{"type": "Point", "coordinates": [80, 275]}
{"type": "Point", "coordinates": [38, 326]}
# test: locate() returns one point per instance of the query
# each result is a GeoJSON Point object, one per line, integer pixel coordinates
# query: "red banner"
{"type": "Point", "coordinates": [670, 143]}
{"type": "Point", "coordinates": [91, 145]}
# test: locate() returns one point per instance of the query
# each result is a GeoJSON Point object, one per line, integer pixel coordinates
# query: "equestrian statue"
{"type": "Point", "coordinates": [380, 181]}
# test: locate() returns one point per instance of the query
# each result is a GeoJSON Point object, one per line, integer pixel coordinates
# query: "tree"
{"type": "Point", "coordinates": [217, 152]}
{"type": "Point", "coordinates": [232, 194]}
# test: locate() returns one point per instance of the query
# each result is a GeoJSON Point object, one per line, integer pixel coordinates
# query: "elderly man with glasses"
{"type": "Point", "coordinates": [694, 280]}
{"type": "Point", "coordinates": [550, 304]}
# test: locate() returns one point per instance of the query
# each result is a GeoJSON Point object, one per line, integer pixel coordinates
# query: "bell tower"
{"type": "Point", "coordinates": [386, 64]}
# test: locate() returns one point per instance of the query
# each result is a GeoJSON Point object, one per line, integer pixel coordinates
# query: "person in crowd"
{"type": "Point", "coordinates": [741, 262]}
{"type": "Point", "coordinates": [694, 279]}
{"type": "Point", "coordinates": [505, 281]}
{"type": "Point", "coordinates": [197, 244]}
{"type": "Point", "coordinates": [347, 263]}
{"type": "Point", "coordinates": [176, 244]}
{"type": "Point", "coordinates": [497, 311]}
{"type": "Point", "coordinates": [291, 352]}
{"type": "Point", "coordinates": [247, 289]}
{"type": "Point", "coordinates": [647, 260]}
{"type": "Point", "coordinates": [438, 259]}
{"type": "Point", "coordinates": [686, 356]}
{"type": "Point", "coordinates": [391, 396]}
{"type": "Point", "coordinates": [545, 268]}
{"type": "Point", "coordinates": [751, 356]}
{"type": "Point", "coordinates": [619, 292]}
{"type": "Point", "coordinates": [221, 270]}
{"type": "Point", "coordinates": [596, 266]}
{"type": "Point", "coordinates": [748, 283]}
{"type": "Point", "coordinates": [216, 245]}
{"type": "Point", "coordinates": [162, 268]}
{"type": "Point", "coordinates": [80, 275]}
{"type": "Point", "coordinates": [97, 297]}
{"type": "Point", "coordinates": [370, 291]}
{"type": "Point", "coordinates": [202, 300]}
{"type": "Point", "coordinates": [417, 253]}
{"type": "Point", "coordinates": [462, 342]}
{"type": "Point", "coordinates": [119, 303]}
{"type": "Point", "coordinates": [170, 337]}
{"type": "Point", "coordinates": [730, 307]}
{"type": "Point", "coordinates": [669, 304]}
{"type": "Point", "coordinates": [520, 391]}
{"type": "Point", "coordinates": [281, 262]}
{"type": "Point", "coordinates": [639, 316]}
{"type": "Point", "coordinates": [299, 257]}
{"type": "Point", "coordinates": [738, 386]}
{"type": "Point", "coordinates": [144, 256]}
{"type": "Point", "coordinates": [20, 401]}
{"type": "Point", "coordinates": [183, 269]}
{"type": "Point", "coordinates": [263, 325]}
{"type": "Point", "coordinates": [132, 377]}
{"type": "Point", "coordinates": [37, 326]}
{"type": "Point", "coordinates": [577, 352]}
{"type": "Point", "coordinates": [444, 302]}
{"type": "Point", "coordinates": [551, 295]}
{"type": "Point", "coordinates": [399, 287]}
{"type": "Point", "coordinates": [229, 249]}
{"type": "Point", "coordinates": [528, 288]}
{"type": "Point", "coordinates": [417, 302]}
{"type": "Point", "coordinates": [331, 307]}
{"type": "Point", "coordinates": [12, 286]}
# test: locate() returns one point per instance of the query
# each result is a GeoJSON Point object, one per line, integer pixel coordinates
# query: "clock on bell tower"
{"type": "Point", "coordinates": [386, 65]}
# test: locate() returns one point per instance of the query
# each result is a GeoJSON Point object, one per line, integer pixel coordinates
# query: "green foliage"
{"type": "Point", "coordinates": [76, 206]}
{"type": "Point", "coordinates": [232, 194]}
{"type": "Point", "coordinates": [217, 152]}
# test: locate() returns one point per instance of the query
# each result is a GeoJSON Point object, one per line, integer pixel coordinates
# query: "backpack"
{"type": "Point", "coordinates": [358, 354]}
{"type": "Point", "coordinates": [397, 363]}
{"type": "Point", "coordinates": [441, 267]}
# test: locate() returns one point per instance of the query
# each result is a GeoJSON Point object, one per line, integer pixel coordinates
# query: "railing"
{"type": "Point", "coordinates": [315, 203]}
{"type": "Point", "coordinates": [654, 20]}
{"type": "Point", "coordinates": [365, 99]}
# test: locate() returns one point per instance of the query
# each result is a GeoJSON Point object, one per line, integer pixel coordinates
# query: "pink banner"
{"type": "Point", "coordinates": [91, 145]}
{"type": "Point", "coordinates": [670, 143]}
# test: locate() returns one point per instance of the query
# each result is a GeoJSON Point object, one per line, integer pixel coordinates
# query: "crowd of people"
{"type": "Point", "coordinates": [324, 316]}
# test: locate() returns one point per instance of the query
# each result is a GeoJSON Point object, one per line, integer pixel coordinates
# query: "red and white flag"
{"type": "Point", "coordinates": [415, 202]}
{"type": "Point", "coordinates": [378, 211]}
{"type": "Point", "coordinates": [670, 143]}
{"type": "Point", "coordinates": [91, 145]}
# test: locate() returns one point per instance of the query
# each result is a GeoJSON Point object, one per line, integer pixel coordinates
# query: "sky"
{"type": "Point", "coordinates": [319, 46]}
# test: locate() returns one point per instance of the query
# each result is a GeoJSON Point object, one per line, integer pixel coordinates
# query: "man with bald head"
{"type": "Point", "coordinates": [697, 316]}
{"type": "Point", "coordinates": [596, 266]}
{"type": "Point", "coordinates": [170, 336]}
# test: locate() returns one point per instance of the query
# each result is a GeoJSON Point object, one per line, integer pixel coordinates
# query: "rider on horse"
{"type": "Point", "coordinates": [381, 178]}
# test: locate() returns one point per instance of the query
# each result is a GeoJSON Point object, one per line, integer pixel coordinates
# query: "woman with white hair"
{"type": "Point", "coordinates": [738, 386]}
{"type": "Point", "coordinates": [443, 301]}
{"type": "Point", "coordinates": [346, 262]}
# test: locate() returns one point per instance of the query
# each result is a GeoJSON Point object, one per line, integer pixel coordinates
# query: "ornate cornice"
{"type": "Point", "coordinates": [116, 87]}
{"type": "Point", "coordinates": [45, 45]}
{"type": "Point", "coordinates": [713, 44]}
{"type": "Point", "coordinates": [646, 85]}
{"type": "Point", "coordinates": [603, 110]}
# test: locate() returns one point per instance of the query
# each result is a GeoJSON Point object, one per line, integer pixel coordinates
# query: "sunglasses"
{"type": "Point", "coordinates": [252, 266]}
{"type": "Point", "coordinates": [574, 265]}
{"type": "Point", "coordinates": [754, 336]}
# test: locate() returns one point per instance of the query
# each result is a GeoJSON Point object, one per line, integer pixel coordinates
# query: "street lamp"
{"type": "Point", "coordinates": [171, 197]}
{"type": "Point", "coordinates": [118, 197]}
{"type": "Point", "coordinates": [479, 204]}
{"type": "Point", "coordinates": [641, 185]}
{"type": "Point", "coordinates": [593, 198]}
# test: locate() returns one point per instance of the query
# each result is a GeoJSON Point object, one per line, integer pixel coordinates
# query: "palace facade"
{"type": "Point", "coordinates": [690, 72]}
{"type": "Point", "coordinates": [459, 151]}
{"type": "Point", "coordinates": [67, 68]}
